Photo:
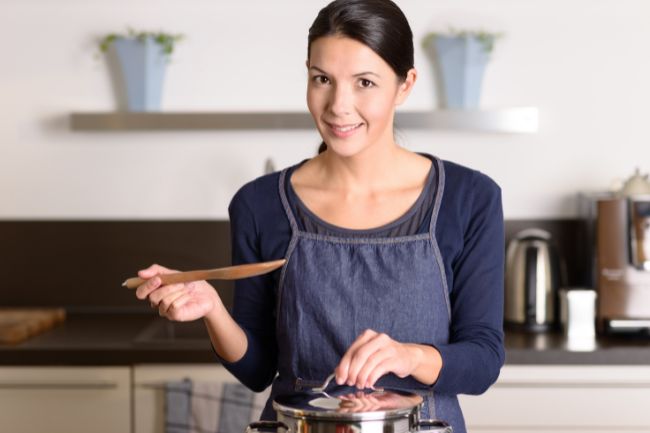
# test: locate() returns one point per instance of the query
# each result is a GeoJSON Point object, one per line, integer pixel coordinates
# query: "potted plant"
{"type": "Point", "coordinates": [460, 58]}
{"type": "Point", "coordinates": [142, 57]}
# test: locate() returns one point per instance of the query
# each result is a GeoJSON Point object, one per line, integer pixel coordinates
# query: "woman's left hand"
{"type": "Point", "coordinates": [374, 354]}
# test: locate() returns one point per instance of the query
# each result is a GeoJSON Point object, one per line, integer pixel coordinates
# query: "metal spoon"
{"type": "Point", "coordinates": [323, 387]}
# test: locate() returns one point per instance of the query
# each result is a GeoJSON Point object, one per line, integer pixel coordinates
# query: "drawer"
{"type": "Point", "coordinates": [566, 397]}
{"type": "Point", "coordinates": [65, 399]}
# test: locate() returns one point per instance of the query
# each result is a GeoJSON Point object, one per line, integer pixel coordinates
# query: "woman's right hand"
{"type": "Point", "coordinates": [180, 302]}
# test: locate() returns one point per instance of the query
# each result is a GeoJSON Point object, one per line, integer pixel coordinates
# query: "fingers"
{"type": "Point", "coordinates": [156, 296]}
{"type": "Point", "coordinates": [364, 356]}
{"type": "Point", "coordinates": [342, 370]}
{"type": "Point", "coordinates": [371, 356]}
{"type": "Point", "coordinates": [172, 304]}
{"type": "Point", "coordinates": [152, 283]}
{"type": "Point", "coordinates": [147, 287]}
{"type": "Point", "coordinates": [181, 301]}
{"type": "Point", "coordinates": [382, 367]}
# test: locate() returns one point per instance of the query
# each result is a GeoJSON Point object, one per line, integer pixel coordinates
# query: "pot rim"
{"type": "Point", "coordinates": [325, 415]}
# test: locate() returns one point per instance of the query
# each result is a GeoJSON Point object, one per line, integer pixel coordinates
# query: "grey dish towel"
{"type": "Point", "coordinates": [210, 407]}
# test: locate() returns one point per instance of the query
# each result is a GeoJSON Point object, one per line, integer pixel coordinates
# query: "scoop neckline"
{"type": "Point", "coordinates": [410, 212]}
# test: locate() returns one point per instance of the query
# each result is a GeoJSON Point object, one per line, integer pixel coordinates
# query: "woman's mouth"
{"type": "Point", "coordinates": [344, 131]}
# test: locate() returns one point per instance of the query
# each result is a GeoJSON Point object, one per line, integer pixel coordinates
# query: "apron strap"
{"type": "Point", "coordinates": [285, 201]}
{"type": "Point", "coordinates": [439, 191]}
{"type": "Point", "coordinates": [432, 233]}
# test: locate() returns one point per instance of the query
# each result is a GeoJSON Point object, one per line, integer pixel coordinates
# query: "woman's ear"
{"type": "Point", "coordinates": [406, 86]}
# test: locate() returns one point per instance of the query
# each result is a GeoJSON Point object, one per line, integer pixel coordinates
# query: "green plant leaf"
{"type": "Point", "coordinates": [166, 40]}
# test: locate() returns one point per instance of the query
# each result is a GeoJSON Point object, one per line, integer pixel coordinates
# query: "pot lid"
{"type": "Point", "coordinates": [349, 404]}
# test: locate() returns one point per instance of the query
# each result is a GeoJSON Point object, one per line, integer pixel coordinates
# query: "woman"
{"type": "Point", "coordinates": [394, 273]}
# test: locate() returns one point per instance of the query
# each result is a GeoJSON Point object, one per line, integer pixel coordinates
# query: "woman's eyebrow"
{"type": "Point", "coordinates": [318, 69]}
{"type": "Point", "coordinates": [355, 75]}
{"type": "Point", "coordinates": [367, 73]}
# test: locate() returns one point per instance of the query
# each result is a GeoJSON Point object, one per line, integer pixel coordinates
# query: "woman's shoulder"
{"type": "Point", "coordinates": [258, 194]}
{"type": "Point", "coordinates": [463, 179]}
{"type": "Point", "coordinates": [470, 199]}
{"type": "Point", "coordinates": [468, 195]}
{"type": "Point", "coordinates": [257, 187]}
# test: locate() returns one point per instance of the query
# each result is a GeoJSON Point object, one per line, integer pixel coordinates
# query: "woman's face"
{"type": "Point", "coordinates": [352, 94]}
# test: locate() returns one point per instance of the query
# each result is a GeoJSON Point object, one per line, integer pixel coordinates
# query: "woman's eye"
{"type": "Point", "coordinates": [366, 83]}
{"type": "Point", "coordinates": [321, 79]}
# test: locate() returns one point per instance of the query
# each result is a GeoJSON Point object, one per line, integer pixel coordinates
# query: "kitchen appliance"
{"type": "Point", "coordinates": [622, 262]}
{"type": "Point", "coordinates": [351, 411]}
{"type": "Point", "coordinates": [532, 281]}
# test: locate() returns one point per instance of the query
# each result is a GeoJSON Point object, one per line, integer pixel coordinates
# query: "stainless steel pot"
{"type": "Point", "coordinates": [357, 412]}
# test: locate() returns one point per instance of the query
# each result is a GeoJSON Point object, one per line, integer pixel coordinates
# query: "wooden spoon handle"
{"type": "Point", "coordinates": [228, 273]}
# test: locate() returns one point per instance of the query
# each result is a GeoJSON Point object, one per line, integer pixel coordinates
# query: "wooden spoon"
{"type": "Point", "coordinates": [228, 273]}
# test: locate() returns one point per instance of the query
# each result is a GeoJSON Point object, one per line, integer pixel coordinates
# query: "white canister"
{"type": "Point", "coordinates": [578, 317]}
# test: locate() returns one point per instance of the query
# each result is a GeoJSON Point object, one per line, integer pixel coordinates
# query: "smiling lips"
{"type": "Point", "coordinates": [343, 131]}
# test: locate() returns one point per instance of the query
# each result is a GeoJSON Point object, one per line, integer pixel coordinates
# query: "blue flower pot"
{"type": "Point", "coordinates": [142, 64]}
{"type": "Point", "coordinates": [461, 62]}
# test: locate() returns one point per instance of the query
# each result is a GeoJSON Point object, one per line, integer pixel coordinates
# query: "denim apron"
{"type": "Point", "coordinates": [333, 288]}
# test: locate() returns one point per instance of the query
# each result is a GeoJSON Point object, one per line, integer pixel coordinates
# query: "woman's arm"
{"type": "Point", "coordinates": [191, 301]}
{"type": "Point", "coordinates": [472, 359]}
{"type": "Point", "coordinates": [253, 312]}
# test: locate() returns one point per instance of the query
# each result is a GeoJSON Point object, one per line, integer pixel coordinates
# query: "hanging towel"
{"type": "Point", "coordinates": [210, 407]}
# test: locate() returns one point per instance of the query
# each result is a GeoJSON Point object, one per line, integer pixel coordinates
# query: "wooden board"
{"type": "Point", "coordinates": [17, 325]}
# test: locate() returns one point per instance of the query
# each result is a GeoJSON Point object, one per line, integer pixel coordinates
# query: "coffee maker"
{"type": "Point", "coordinates": [620, 236]}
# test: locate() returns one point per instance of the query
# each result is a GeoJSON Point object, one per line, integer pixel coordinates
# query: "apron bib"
{"type": "Point", "coordinates": [333, 288]}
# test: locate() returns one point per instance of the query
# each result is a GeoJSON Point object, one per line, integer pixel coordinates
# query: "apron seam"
{"type": "Point", "coordinates": [290, 248]}
{"type": "Point", "coordinates": [362, 240]}
{"type": "Point", "coordinates": [432, 235]}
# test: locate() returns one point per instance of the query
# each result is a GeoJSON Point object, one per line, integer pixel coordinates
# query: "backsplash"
{"type": "Point", "coordinates": [80, 265]}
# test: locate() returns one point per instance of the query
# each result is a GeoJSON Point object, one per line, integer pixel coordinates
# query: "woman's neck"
{"type": "Point", "coordinates": [371, 169]}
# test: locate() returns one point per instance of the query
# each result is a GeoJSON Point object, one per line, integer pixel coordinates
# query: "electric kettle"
{"type": "Point", "coordinates": [532, 281]}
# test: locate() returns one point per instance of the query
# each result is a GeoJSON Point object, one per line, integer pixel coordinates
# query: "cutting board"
{"type": "Point", "coordinates": [19, 324]}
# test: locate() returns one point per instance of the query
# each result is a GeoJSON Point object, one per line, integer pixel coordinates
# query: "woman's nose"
{"type": "Point", "coordinates": [341, 100]}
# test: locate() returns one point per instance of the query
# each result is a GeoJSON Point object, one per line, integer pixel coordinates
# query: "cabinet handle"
{"type": "Point", "coordinates": [99, 384]}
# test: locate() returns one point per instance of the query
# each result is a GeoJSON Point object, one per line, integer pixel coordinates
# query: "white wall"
{"type": "Point", "coordinates": [584, 63]}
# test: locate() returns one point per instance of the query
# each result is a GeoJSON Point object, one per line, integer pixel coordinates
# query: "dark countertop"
{"type": "Point", "coordinates": [135, 338]}
{"type": "Point", "coordinates": [113, 339]}
{"type": "Point", "coordinates": [554, 349]}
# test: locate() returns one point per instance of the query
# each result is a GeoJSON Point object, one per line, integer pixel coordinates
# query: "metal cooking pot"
{"type": "Point", "coordinates": [382, 411]}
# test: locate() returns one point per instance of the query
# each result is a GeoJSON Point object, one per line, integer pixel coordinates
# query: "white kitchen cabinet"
{"type": "Point", "coordinates": [149, 393]}
{"type": "Point", "coordinates": [562, 399]}
{"type": "Point", "coordinates": [65, 399]}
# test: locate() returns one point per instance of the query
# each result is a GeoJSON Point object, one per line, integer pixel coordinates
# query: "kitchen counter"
{"type": "Point", "coordinates": [554, 348]}
{"type": "Point", "coordinates": [113, 339]}
{"type": "Point", "coordinates": [137, 338]}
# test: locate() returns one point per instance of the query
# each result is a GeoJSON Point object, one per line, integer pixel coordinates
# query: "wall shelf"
{"type": "Point", "coordinates": [508, 120]}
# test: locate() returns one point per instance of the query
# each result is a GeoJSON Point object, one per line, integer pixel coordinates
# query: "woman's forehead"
{"type": "Point", "coordinates": [343, 55]}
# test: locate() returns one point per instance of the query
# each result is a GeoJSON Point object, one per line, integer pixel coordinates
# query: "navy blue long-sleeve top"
{"type": "Point", "coordinates": [470, 236]}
